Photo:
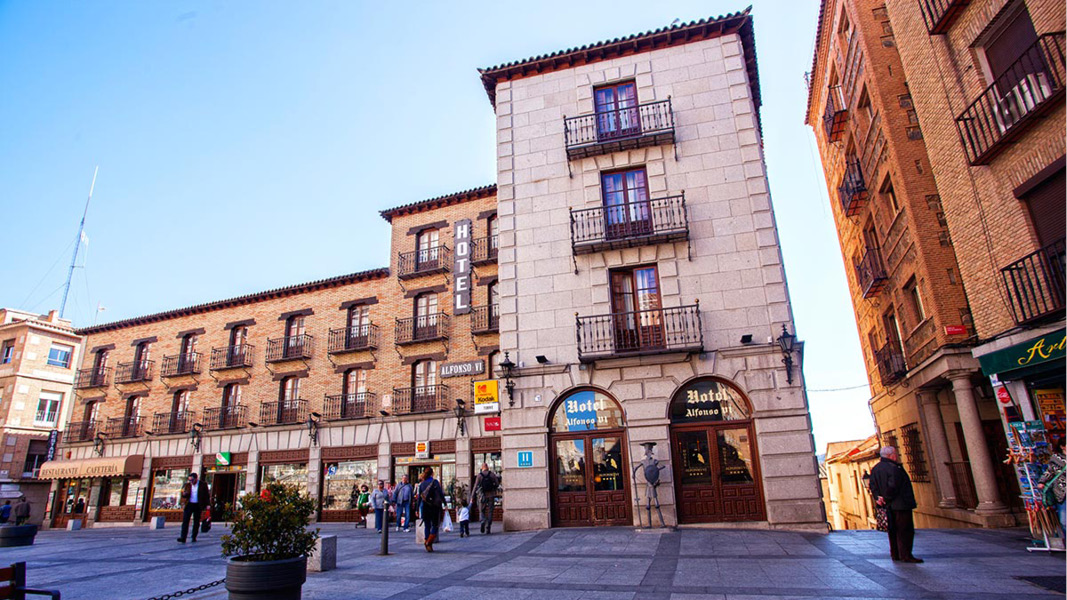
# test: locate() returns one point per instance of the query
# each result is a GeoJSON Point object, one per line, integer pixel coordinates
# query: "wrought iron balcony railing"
{"type": "Point", "coordinates": [641, 223]}
{"type": "Point", "coordinates": [484, 250]}
{"type": "Point", "coordinates": [940, 14]}
{"type": "Point", "coordinates": [173, 422]}
{"type": "Point", "coordinates": [606, 131]}
{"type": "Point", "coordinates": [181, 364]}
{"type": "Point", "coordinates": [292, 347]}
{"type": "Point", "coordinates": [891, 365]}
{"type": "Point", "coordinates": [132, 372]}
{"type": "Point", "coordinates": [424, 262]}
{"type": "Point", "coordinates": [351, 406]}
{"type": "Point", "coordinates": [92, 378]}
{"type": "Point", "coordinates": [835, 117]}
{"type": "Point", "coordinates": [870, 274]}
{"type": "Point", "coordinates": [426, 328]}
{"type": "Point", "coordinates": [485, 319]}
{"type": "Point", "coordinates": [853, 189]}
{"type": "Point", "coordinates": [232, 357]}
{"type": "Point", "coordinates": [652, 331]}
{"type": "Point", "coordinates": [225, 417]}
{"type": "Point", "coordinates": [124, 427]}
{"type": "Point", "coordinates": [283, 412]}
{"type": "Point", "coordinates": [79, 431]}
{"type": "Point", "coordinates": [1035, 283]}
{"type": "Point", "coordinates": [1005, 109]}
{"type": "Point", "coordinates": [421, 399]}
{"type": "Point", "coordinates": [353, 339]}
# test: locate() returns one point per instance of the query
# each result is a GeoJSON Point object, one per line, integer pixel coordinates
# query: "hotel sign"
{"type": "Point", "coordinates": [461, 287]}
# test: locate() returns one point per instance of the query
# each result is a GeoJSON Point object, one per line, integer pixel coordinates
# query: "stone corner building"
{"type": "Point", "coordinates": [627, 263]}
{"type": "Point", "coordinates": [940, 128]}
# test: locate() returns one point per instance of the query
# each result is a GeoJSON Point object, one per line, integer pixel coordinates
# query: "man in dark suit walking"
{"type": "Point", "coordinates": [891, 488]}
{"type": "Point", "coordinates": [195, 496]}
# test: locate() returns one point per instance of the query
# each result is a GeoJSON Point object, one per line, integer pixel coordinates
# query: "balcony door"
{"type": "Point", "coordinates": [627, 212]}
{"type": "Point", "coordinates": [187, 354]}
{"type": "Point", "coordinates": [616, 111]}
{"type": "Point", "coordinates": [231, 400]}
{"type": "Point", "coordinates": [424, 386]}
{"type": "Point", "coordinates": [425, 325]}
{"type": "Point", "coordinates": [179, 407]}
{"type": "Point", "coordinates": [428, 249]}
{"type": "Point", "coordinates": [358, 327]}
{"type": "Point", "coordinates": [637, 315]}
{"type": "Point", "coordinates": [353, 402]}
{"type": "Point", "coordinates": [294, 336]}
{"type": "Point", "coordinates": [289, 397]}
{"type": "Point", "coordinates": [238, 341]}
{"type": "Point", "coordinates": [130, 416]}
{"type": "Point", "coordinates": [140, 361]}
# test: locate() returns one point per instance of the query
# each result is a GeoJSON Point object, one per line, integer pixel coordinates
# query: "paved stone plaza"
{"type": "Point", "coordinates": [571, 564]}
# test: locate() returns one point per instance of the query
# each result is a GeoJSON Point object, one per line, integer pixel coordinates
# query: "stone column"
{"type": "Point", "coordinates": [938, 446]}
{"type": "Point", "coordinates": [314, 476]}
{"type": "Point", "coordinates": [985, 482]}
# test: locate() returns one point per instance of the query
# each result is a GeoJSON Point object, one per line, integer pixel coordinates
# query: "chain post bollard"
{"type": "Point", "coordinates": [385, 529]}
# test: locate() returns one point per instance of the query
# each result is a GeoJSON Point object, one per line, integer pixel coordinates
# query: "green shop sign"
{"type": "Point", "coordinates": [222, 459]}
{"type": "Point", "coordinates": [1021, 359]}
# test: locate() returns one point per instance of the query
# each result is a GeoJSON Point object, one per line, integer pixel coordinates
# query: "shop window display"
{"type": "Point", "coordinates": [343, 480]}
{"type": "Point", "coordinates": [289, 474]}
{"type": "Point", "coordinates": [496, 465]}
{"type": "Point", "coordinates": [167, 488]}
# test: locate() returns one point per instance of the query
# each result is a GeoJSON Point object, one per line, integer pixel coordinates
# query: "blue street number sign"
{"type": "Point", "coordinates": [525, 459]}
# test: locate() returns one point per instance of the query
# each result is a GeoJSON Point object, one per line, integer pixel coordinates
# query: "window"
{"type": "Point", "coordinates": [100, 361]}
{"type": "Point", "coordinates": [913, 453]}
{"type": "Point", "coordinates": [865, 105]}
{"type": "Point", "coordinates": [36, 455]}
{"type": "Point", "coordinates": [289, 389]}
{"type": "Point", "coordinates": [1009, 39]}
{"type": "Point", "coordinates": [635, 302]}
{"type": "Point", "coordinates": [59, 355]}
{"type": "Point", "coordinates": [892, 329]}
{"type": "Point", "coordinates": [294, 336]}
{"type": "Point", "coordinates": [48, 408]}
{"type": "Point", "coordinates": [133, 408]}
{"type": "Point", "coordinates": [7, 352]}
{"type": "Point", "coordinates": [239, 336]}
{"type": "Point", "coordinates": [425, 316]}
{"type": "Point", "coordinates": [890, 195]}
{"type": "Point", "coordinates": [424, 375]}
{"type": "Point", "coordinates": [358, 324]}
{"type": "Point", "coordinates": [188, 344]}
{"type": "Point", "coordinates": [180, 402]}
{"type": "Point", "coordinates": [626, 208]}
{"type": "Point", "coordinates": [492, 225]}
{"type": "Point", "coordinates": [231, 396]}
{"type": "Point", "coordinates": [427, 243]}
{"type": "Point", "coordinates": [235, 354]}
{"type": "Point", "coordinates": [167, 489]}
{"type": "Point", "coordinates": [142, 353]}
{"type": "Point", "coordinates": [616, 110]}
{"type": "Point", "coordinates": [911, 291]}
{"type": "Point", "coordinates": [355, 382]}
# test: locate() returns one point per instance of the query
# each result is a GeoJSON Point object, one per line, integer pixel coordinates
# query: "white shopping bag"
{"type": "Point", "coordinates": [446, 524]}
{"type": "Point", "coordinates": [420, 532]}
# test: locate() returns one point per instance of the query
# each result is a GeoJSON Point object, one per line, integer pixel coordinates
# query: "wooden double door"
{"type": "Point", "coordinates": [716, 473]}
{"type": "Point", "coordinates": [590, 482]}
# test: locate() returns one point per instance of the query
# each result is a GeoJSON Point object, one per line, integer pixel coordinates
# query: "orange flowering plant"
{"type": "Point", "coordinates": [271, 526]}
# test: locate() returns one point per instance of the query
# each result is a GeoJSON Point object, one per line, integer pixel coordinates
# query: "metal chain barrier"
{"type": "Point", "coordinates": [189, 591]}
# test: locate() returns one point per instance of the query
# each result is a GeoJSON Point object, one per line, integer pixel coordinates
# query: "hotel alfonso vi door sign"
{"type": "Point", "coordinates": [587, 450]}
{"type": "Point", "coordinates": [716, 463]}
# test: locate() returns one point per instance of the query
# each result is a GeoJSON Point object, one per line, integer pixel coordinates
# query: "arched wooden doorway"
{"type": "Point", "coordinates": [587, 450]}
{"type": "Point", "coordinates": [716, 462]}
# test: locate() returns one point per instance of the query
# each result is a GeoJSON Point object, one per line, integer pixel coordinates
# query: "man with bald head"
{"type": "Point", "coordinates": [891, 489]}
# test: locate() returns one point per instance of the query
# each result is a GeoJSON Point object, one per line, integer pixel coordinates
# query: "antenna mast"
{"type": "Point", "coordinates": [77, 245]}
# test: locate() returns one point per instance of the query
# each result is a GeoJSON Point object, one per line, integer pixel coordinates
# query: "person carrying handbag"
{"type": "Point", "coordinates": [431, 500]}
{"type": "Point", "coordinates": [1053, 483]}
{"type": "Point", "coordinates": [194, 497]}
{"type": "Point", "coordinates": [891, 489]}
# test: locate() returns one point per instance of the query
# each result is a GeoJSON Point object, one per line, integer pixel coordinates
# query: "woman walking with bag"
{"type": "Point", "coordinates": [431, 499]}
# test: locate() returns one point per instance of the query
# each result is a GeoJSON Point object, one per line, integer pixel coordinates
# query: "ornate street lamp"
{"type": "Point", "coordinates": [461, 422]}
{"type": "Point", "coordinates": [195, 435]}
{"type": "Point", "coordinates": [507, 368]}
{"type": "Point", "coordinates": [313, 428]}
{"type": "Point", "coordinates": [99, 442]}
{"type": "Point", "coordinates": [786, 341]}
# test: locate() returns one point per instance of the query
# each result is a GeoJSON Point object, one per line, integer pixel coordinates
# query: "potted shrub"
{"type": "Point", "coordinates": [269, 543]}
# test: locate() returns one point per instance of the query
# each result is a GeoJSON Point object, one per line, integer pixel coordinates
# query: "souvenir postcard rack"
{"type": "Point", "coordinates": [1028, 451]}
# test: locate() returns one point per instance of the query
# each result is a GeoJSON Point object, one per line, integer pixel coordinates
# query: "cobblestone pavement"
{"type": "Point", "coordinates": [569, 564]}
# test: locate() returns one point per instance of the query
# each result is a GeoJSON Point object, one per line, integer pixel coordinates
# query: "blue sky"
{"type": "Point", "coordinates": [249, 145]}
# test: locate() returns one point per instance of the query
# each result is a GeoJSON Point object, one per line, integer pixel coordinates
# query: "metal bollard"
{"type": "Point", "coordinates": [385, 529]}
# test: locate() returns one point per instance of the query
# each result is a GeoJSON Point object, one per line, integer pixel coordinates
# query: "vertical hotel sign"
{"type": "Point", "coordinates": [461, 287]}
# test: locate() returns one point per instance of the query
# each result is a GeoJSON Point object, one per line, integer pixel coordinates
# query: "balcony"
{"type": "Point", "coordinates": [79, 431]}
{"type": "Point", "coordinates": [649, 124]}
{"type": "Point", "coordinates": [293, 347]}
{"type": "Point", "coordinates": [421, 399]}
{"type": "Point", "coordinates": [232, 357]}
{"type": "Point", "coordinates": [181, 364]}
{"type": "Point", "coordinates": [173, 422]}
{"type": "Point", "coordinates": [891, 365]}
{"type": "Point", "coordinates": [940, 14]}
{"type": "Point", "coordinates": [351, 406]}
{"type": "Point", "coordinates": [870, 274]}
{"type": "Point", "coordinates": [652, 331]}
{"type": "Point", "coordinates": [424, 262]}
{"type": "Point", "coordinates": [853, 189]}
{"type": "Point", "coordinates": [124, 427]}
{"type": "Point", "coordinates": [225, 417]}
{"type": "Point", "coordinates": [95, 377]}
{"type": "Point", "coordinates": [483, 251]}
{"type": "Point", "coordinates": [283, 412]}
{"type": "Point", "coordinates": [642, 223]}
{"type": "Point", "coordinates": [485, 319]}
{"type": "Point", "coordinates": [1035, 283]}
{"type": "Point", "coordinates": [835, 117]}
{"type": "Point", "coordinates": [133, 372]}
{"type": "Point", "coordinates": [1028, 89]}
{"type": "Point", "coordinates": [963, 484]}
{"type": "Point", "coordinates": [353, 339]}
{"type": "Point", "coordinates": [426, 328]}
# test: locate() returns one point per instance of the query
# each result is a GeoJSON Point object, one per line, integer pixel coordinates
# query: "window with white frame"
{"type": "Point", "coordinates": [59, 355]}
{"type": "Point", "coordinates": [48, 408]}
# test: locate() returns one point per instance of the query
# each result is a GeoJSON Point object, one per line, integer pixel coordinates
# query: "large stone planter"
{"type": "Point", "coordinates": [17, 535]}
{"type": "Point", "coordinates": [265, 580]}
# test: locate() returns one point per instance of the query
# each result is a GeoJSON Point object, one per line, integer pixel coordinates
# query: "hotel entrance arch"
{"type": "Point", "coordinates": [587, 450]}
{"type": "Point", "coordinates": [713, 446]}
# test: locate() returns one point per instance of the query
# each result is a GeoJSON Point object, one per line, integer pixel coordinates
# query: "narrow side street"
{"type": "Point", "coordinates": [570, 564]}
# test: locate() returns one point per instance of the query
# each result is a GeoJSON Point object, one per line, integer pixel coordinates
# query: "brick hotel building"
{"type": "Point", "coordinates": [627, 262]}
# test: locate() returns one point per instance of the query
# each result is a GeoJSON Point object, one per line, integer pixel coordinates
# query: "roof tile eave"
{"type": "Point", "coordinates": [477, 193]}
